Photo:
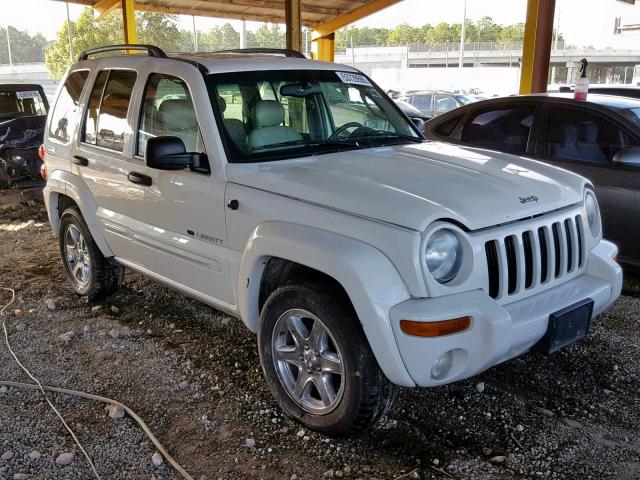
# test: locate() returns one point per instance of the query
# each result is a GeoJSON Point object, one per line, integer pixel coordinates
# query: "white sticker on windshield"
{"type": "Point", "coordinates": [21, 94]}
{"type": "Point", "coordinates": [354, 78]}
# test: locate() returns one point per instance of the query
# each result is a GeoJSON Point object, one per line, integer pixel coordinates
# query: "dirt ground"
{"type": "Point", "coordinates": [193, 375]}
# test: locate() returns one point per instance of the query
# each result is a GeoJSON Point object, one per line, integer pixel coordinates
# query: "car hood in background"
{"type": "Point", "coordinates": [413, 185]}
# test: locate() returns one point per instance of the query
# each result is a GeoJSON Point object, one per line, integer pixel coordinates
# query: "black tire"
{"type": "Point", "coordinates": [105, 277]}
{"type": "Point", "coordinates": [366, 393]}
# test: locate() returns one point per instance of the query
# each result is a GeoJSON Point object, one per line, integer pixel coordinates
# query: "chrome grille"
{"type": "Point", "coordinates": [538, 256]}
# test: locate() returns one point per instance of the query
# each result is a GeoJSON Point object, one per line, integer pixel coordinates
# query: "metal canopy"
{"type": "Point", "coordinates": [313, 13]}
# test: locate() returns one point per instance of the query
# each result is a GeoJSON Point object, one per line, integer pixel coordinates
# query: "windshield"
{"type": "Point", "coordinates": [21, 103]}
{"type": "Point", "coordinates": [272, 115]}
{"type": "Point", "coordinates": [632, 114]}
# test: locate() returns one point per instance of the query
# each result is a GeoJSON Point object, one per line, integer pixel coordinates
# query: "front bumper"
{"type": "Point", "coordinates": [498, 332]}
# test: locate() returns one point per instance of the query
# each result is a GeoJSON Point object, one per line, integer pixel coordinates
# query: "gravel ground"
{"type": "Point", "coordinates": [193, 375]}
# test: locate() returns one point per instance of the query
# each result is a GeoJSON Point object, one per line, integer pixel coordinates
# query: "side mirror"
{"type": "Point", "coordinates": [628, 156]}
{"type": "Point", "coordinates": [169, 153]}
{"type": "Point", "coordinates": [419, 123]}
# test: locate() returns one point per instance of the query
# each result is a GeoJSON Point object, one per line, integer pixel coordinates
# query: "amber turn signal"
{"type": "Point", "coordinates": [435, 329]}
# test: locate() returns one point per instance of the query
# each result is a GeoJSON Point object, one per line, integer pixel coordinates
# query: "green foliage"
{"type": "Point", "coordinates": [24, 47]}
{"type": "Point", "coordinates": [484, 30]}
{"type": "Point", "coordinates": [268, 35]}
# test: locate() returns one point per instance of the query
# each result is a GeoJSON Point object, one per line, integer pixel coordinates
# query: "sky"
{"type": "Point", "coordinates": [583, 22]}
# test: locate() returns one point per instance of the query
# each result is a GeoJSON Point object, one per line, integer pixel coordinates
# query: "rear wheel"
{"type": "Point", "coordinates": [318, 362]}
{"type": "Point", "coordinates": [88, 271]}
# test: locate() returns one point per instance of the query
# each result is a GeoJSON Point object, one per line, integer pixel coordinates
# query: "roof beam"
{"type": "Point", "coordinates": [345, 19]}
{"type": "Point", "coordinates": [271, 5]}
{"type": "Point", "coordinates": [105, 7]}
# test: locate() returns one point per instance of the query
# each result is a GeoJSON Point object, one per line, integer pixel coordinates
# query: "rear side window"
{"type": "Point", "coordinates": [584, 136]}
{"type": "Point", "coordinates": [502, 129]}
{"type": "Point", "coordinates": [106, 120]}
{"type": "Point", "coordinates": [421, 102]}
{"type": "Point", "coordinates": [63, 117]}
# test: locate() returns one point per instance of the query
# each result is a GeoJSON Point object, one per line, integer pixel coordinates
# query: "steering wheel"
{"type": "Point", "coordinates": [343, 128]}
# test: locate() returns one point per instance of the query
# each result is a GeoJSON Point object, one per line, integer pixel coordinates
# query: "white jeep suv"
{"type": "Point", "coordinates": [295, 195]}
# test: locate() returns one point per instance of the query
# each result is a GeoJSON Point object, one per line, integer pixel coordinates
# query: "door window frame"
{"type": "Point", "coordinates": [125, 152]}
{"type": "Point", "coordinates": [140, 112]}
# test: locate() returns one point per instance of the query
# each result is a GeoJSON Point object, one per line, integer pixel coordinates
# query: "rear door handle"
{"type": "Point", "coordinates": [140, 178]}
{"type": "Point", "coordinates": [78, 160]}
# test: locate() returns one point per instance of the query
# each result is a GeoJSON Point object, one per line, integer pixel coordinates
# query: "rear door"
{"type": "Point", "coordinates": [584, 141]}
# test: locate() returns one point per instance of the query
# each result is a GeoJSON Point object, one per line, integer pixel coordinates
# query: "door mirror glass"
{"type": "Point", "coordinates": [628, 156]}
{"type": "Point", "coordinates": [169, 153]}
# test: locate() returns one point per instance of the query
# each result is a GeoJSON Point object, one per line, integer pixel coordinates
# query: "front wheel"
{"type": "Point", "coordinates": [318, 362]}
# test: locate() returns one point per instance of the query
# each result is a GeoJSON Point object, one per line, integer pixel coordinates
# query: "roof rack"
{"type": "Point", "coordinates": [151, 50]}
{"type": "Point", "coordinates": [264, 51]}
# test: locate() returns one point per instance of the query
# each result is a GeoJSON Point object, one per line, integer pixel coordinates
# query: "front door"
{"type": "Point", "coordinates": [169, 224]}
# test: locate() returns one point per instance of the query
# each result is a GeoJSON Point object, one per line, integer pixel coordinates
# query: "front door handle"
{"type": "Point", "coordinates": [140, 178]}
{"type": "Point", "coordinates": [78, 160]}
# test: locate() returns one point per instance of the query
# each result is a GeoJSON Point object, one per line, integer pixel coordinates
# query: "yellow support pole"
{"type": "Point", "coordinates": [129, 21]}
{"type": "Point", "coordinates": [536, 52]}
{"type": "Point", "coordinates": [294, 24]}
{"type": "Point", "coordinates": [324, 48]}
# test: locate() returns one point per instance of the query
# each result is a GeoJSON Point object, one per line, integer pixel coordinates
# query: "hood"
{"type": "Point", "coordinates": [413, 185]}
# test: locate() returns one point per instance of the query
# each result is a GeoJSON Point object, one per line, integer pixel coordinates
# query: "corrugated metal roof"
{"type": "Point", "coordinates": [313, 12]}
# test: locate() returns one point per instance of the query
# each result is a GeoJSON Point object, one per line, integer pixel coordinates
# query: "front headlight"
{"type": "Point", "coordinates": [593, 213]}
{"type": "Point", "coordinates": [443, 255]}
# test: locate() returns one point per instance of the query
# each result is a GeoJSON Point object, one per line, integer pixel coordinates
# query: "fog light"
{"type": "Point", "coordinates": [442, 366]}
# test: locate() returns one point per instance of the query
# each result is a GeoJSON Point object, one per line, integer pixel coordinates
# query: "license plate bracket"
{"type": "Point", "coordinates": [566, 326]}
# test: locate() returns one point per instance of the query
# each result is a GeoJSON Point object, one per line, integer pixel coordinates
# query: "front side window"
{"type": "Point", "coordinates": [106, 121]}
{"type": "Point", "coordinates": [270, 115]}
{"type": "Point", "coordinates": [504, 129]}
{"type": "Point", "coordinates": [168, 110]}
{"type": "Point", "coordinates": [584, 136]}
{"type": "Point", "coordinates": [63, 117]}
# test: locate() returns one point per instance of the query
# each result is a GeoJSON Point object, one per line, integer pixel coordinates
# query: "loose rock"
{"type": "Point", "coordinates": [51, 305]}
{"type": "Point", "coordinates": [250, 443]}
{"type": "Point", "coordinates": [498, 459]}
{"type": "Point", "coordinates": [8, 455]}
{"type": "Point", "coordinates": [35, 455]}
{"type": "Point", "coordinates": [480, 387]}
{"type": "Point", "coordinates": [116, 411]}
{"type": "Point", "coordinates": [157, 459]}
{"type": "Point", "coordinates": [65, 458]}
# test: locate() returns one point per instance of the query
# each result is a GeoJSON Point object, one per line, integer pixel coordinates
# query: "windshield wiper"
{"type": "Point", "coordinates": [381, 133]}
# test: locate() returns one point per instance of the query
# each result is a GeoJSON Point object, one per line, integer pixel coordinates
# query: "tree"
{"type": "Point", "coordinates": [154, 28]}
{"type": "Point", "coordinates": [220, 38]}
{"type": "Point", "coordinates": [24, 47]}
{"type": "Point", "coordinates": [270, 35]}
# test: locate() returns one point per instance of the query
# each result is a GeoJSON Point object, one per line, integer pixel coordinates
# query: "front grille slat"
{"type": "Point", "coordinates": [530, 258]}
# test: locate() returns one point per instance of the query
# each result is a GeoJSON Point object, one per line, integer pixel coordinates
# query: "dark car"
{"type": "Point", "coordinates": [23, 113]}
{"type": "Point", "coordinates": [598, 138]}
{"type": "Point", "coordinates": [434, 103]}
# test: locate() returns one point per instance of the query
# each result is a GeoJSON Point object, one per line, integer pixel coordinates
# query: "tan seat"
{"type": "Point", "coordinates": [267, 117]}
